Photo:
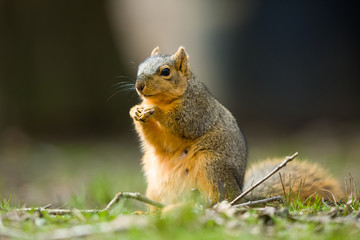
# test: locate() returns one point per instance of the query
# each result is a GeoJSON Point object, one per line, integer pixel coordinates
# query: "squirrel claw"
{"type": "Point", "coordinates": [146, 113]}
{"type": "Point", "coordinates": [139, 113]}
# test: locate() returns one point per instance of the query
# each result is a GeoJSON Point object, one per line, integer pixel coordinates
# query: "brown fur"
{"type": "Point", "coordinates": [300, 179]}
{"type": "Point", "coordinates": [190, 140]}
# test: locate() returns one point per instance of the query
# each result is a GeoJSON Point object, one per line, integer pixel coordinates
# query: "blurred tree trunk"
{"type": "Point", "coordinates": [57, 65]}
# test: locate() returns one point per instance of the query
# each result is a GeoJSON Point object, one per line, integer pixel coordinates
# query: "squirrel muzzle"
{"type": "Point", "coordinates": [140, 85]}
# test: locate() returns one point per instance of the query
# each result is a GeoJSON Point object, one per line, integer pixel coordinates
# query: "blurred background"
{"type": "Point", "coordinates": [288, 71]}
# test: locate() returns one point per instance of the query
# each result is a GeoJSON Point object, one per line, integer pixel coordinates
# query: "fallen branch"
{"type": "Point", "coordinates": [283, 164]}
{"type": "Point", "coordinates": [261, 201]}
{"type": "Point", "coordinates": [118, 196]}
{"type": "Point", "coordinates": [136, 196]}
{"type": "Point", "coordinates": [54, 211]}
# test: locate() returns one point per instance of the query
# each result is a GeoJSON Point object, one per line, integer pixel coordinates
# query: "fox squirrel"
{"type": "Point", "coordinates": [190, 140]}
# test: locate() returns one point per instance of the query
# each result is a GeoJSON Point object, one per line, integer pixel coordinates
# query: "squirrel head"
{"type": "Point", "coordinates": [163, 78]}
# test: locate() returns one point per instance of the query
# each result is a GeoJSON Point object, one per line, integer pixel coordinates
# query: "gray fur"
{"type": "Point", "coordinates": [152, 64]}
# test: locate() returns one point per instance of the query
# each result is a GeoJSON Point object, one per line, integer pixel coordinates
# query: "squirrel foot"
{"type": "Point", "coordinates": [141, 113]}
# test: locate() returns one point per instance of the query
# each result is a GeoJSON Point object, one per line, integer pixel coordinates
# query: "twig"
{"type": "Point", "coordinates": [58, 211]}
{"type": "Point", "coordinates": [261, 201]}
{"type": "Point", "coordinates": [283, 164]}
{"type": "Point", "coordinates": [118, 196]}
{"type": "Point", "coordinates": [46, 206]}
{"type": "Point", "coordinates": [136, 196]}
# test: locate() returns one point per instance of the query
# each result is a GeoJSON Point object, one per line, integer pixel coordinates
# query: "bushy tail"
{"type": "Point", "coordinates": [298, 179]}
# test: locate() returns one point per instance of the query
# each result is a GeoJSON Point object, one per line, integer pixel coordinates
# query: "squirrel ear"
{"type": "Point", "coordinates": [181, 60]}
{"type": "Point", "coordinates": [155, 51]}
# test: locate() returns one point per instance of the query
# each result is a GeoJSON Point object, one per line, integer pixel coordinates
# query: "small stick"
{"type": "Point", "coordinates": [261, 201]}
{"type": "Point", "coordinates": [283, 164]}
{"type": "Point", "coordinates": [58, 211]}
{"type": "Point", "coordinates": [46, 206]}
{"type": "Point", "coordinates": [134, 195]}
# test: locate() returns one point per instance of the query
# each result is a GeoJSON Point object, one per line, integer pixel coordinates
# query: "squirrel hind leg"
{"type": "Point", "coordinates": [301, 180]}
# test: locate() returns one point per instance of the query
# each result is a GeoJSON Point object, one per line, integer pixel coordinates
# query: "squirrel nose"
{"type": "Point", "coordinates": [140, 86]}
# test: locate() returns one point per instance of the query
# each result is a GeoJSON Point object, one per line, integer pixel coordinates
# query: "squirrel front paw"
{"type": "Point", "coordinates": [141, 113]}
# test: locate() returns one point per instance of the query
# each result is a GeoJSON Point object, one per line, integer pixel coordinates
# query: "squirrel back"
{"type": "Point", "coordinates": [189, 139]}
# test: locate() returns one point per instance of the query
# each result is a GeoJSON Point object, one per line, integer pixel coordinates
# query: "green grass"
{"type": "Point", "coordinates": [292, 219]}
{"type": "Point", "coordinates": [86, 176]}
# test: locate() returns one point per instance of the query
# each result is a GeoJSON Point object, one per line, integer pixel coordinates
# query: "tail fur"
{"type": "Point", "coordinates": [298, 179]}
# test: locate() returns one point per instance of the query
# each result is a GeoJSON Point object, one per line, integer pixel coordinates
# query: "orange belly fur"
{"type": "Point", "coordinates": [171, 165]}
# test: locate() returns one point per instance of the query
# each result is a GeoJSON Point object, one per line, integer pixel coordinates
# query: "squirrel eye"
{"type": "Point", "coordinates": [165, 72]}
